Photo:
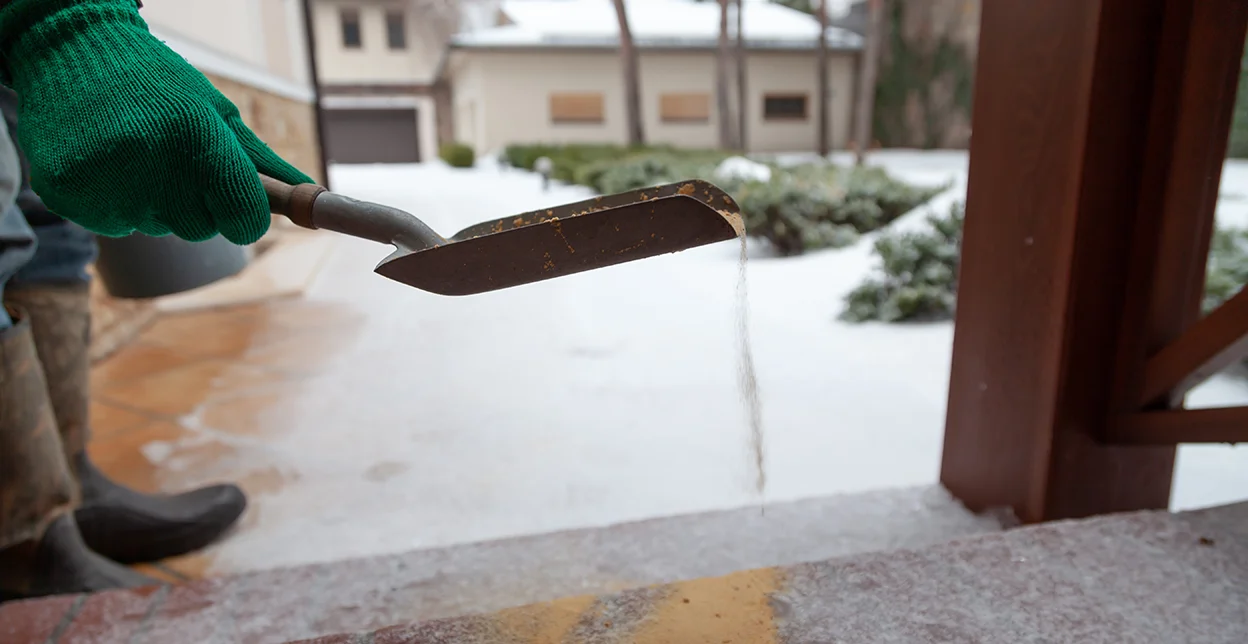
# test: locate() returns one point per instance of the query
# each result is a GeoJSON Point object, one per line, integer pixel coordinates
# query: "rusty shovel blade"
{"type": "Point", "coordinates": [525, 248]}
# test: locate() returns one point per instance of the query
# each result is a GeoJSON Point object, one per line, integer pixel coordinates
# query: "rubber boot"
{"type": "Point", "coordinates": [41, 550]}
{"type": "Point", "coordinates": [115, 521]}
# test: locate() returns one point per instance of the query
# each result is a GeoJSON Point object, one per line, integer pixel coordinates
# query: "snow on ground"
{"type": "Point", "coordinates": [611, 395]}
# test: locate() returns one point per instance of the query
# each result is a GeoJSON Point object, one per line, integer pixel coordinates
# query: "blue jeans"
{"type": "Point", "coordinates": [45, 254]}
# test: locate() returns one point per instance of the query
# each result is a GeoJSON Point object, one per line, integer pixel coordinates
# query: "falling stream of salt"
{"type": "Point", "coordinates": [747, 380]}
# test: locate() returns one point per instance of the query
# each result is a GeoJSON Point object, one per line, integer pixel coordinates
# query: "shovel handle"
{"type": "Point", "coordinates": [314, 207]}
{"type": "Point", "coordinates": [293, 202]}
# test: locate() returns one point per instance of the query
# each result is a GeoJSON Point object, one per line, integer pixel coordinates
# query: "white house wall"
{"type": "Point", "coordinates": [228, 26]}
{"type": "Point", "coordinates": [374, 62]}
{"type": "Point", "coordinates": [786, 73]}
{"type": "Point", "coordinates": [513, 90]}
{"type": "Point", "coordinates": [516, 88]}
{"type": "Point", "coordinates": [468, 101]}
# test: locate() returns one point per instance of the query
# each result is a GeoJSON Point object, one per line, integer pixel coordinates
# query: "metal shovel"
{"type": "Point", "coordinates": [524, 248]}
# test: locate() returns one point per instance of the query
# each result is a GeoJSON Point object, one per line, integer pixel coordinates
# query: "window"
{"type": "Point", "coordinates": [784, 107]}
{"type": "Point", "coordinates": [350, 19]}
{"type": "Point", "coordinates": [396, 30]}
{"type": "Point", "coordinates": [685, 108]}
{"type": "Point", "coordinates": [576, 108]}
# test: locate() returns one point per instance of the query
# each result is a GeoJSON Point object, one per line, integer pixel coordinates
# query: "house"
{"type": "Point", "coordinates": [549, 71]}
{"type": "Point", "coordinates": [254, 52]}
{"type": "Point", "coordinates": [376, 61]}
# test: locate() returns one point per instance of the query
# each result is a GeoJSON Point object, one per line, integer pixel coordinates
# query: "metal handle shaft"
{"type": "Point", "coordinates": [313, 207]}
{"type": "Point", "coordinates": [294, 202]}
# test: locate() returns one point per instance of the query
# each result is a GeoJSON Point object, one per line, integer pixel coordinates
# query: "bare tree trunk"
{"type": "Point", "coordinates": [865, 114]}
{"type": "Point", "coordinates": [632, 81]}
{"type": "Point", "coordinates": [723, 58]}
{"type": "Point", "coordinates": [743, 100]}
{"type": "Point", "coordinates": [821, 83]}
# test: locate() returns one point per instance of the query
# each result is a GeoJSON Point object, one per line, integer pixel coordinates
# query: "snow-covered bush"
{"type": "Point", "coordinates": [917, 277]}
{"type": "Point", "coordinates": [644, 170]}
{"type": "Point", "coordinates": [797, 208]}
{"type": "Point", "coordinates": [457, 155]}
{"type": "Point", "coordinates": [1227, 269]}
{"type": "Point", "coordinates": [918, 274]}
{"type": "Point", "coordinates": [742, 169]}
{"type": "Point", "coordinates": [815, 206]}
{"type": "Point", "coordinates": [568, 159]}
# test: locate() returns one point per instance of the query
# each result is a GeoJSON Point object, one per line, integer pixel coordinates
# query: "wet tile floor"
{"type": "Point", "coordinates": [180, 406]}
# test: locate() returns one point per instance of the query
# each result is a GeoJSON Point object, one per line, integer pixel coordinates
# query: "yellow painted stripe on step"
{"type": "Point", "coordinates": [723, 610]}
{"type": "Point", "coordinates": [735, 609]}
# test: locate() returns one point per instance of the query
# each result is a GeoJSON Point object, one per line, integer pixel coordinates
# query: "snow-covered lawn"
{"type": "Point", "coordinates": [611, 395]}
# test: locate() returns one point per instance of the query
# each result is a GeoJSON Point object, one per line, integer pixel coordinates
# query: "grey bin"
{"type": "Point", "coordinates": [139, 266]}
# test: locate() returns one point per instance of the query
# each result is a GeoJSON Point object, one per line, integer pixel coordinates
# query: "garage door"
{"type": "Point", "coordinates": [372, 136]}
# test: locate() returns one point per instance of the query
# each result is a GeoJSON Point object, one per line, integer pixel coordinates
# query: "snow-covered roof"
{"type": "Point", "coordinates": [654, 23]}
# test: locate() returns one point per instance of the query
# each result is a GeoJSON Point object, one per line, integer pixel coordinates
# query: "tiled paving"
{"type": "Point", "coordinates": [177, 407]}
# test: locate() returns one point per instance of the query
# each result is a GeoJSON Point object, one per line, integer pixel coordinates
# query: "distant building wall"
{"type": "Point", "coordinates": [504, 97]}
{"type": "Point", "coordinates": [287, 125]}
{"type": "Point", "coordinates": [373, 61]}
{"type": "Point", "coordinates": [267, 34]}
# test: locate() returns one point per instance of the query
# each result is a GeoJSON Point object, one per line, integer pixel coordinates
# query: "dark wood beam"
{"type": "Point", "coordinates": [1199, 77]}
{"type": "Point", "coordinates": [1207, 347]}
{"type": "Point", "coordinates": [1089, 132]}
{"type": "Point", "coordinates": [1060, 119]}
{"type": "Point", "coordinates": [1175, 426]}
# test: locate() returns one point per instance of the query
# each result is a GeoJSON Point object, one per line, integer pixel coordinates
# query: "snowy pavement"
{"type": "Point", "coordinates": [611, 395]}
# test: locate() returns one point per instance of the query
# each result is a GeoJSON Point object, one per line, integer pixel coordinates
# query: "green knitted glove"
{"type": "Point", "coordinates": [122, 134]}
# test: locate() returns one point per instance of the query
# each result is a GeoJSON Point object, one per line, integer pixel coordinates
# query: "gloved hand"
{"type": "Point", "coordinates": [122, 134]}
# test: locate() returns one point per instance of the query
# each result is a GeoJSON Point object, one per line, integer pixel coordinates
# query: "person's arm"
{"type": "Point", "coordinates": [36, 212]}
{"type": "Point", "coordinates": [122, 134]}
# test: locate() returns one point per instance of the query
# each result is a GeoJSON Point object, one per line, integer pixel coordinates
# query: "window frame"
{"type": "Point", "coordinates": [402, 25]}
{"type": "Point", "coordinates": [555, 119]}
{"type": "Point", "coordinates": [790, 118]}
{"type": "Point", "coordinates": [350, 16]}
{"type": "Point", "coordinates": [684, 120]}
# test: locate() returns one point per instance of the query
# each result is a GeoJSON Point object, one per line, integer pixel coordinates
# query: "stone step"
{"type": "Point", "coordinates": [361, 595]}
{"type": "Point", "coordinates": [1139, 577]}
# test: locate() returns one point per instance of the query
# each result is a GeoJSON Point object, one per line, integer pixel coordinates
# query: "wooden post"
{"type": "Point", "coordinates": [1070, 102]}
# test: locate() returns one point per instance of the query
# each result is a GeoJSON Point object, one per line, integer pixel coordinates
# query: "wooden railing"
{"type": "Point", "coordinates": [1101, 130]}
{"type": "Point", "coordinates": [1205, 348]}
